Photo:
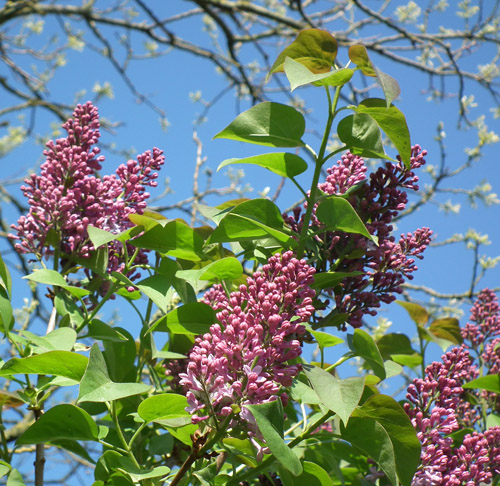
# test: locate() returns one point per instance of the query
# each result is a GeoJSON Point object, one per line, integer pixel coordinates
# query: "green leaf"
{"type": "Point", "coordinates": [268, 123]}
{"type": "Point", "coordinates": [302, 393]}
{"type": "Point", "coordinates": [392, 122]}
{"type": "Point", "coordinates": [97, 261]}
{"type": "Point", "coordinates": [99, 237]}
{"type": "Point", "coordinates": [328, 280]}
{"type": "Point", "coordinates": [417, 313]}
{"type": "Point", "coordinates": [363, 345]}
{"type": "Point", "coordinates": [15, 479]}
{"type": "Point", "coordinates": [176, 239]}
{"type": "Point", "coordinates": [339, 215]}
{"type": "Point", "coordinates": [389, 86]}
{"type": "Point", "coordinates": [257, 218]}
{"type": "Point", "coordinates": [370, 437]}
{"type": "Point", "coordinates": [156, 288]}
{"type": "Point", "coordinates": [169, 268]}
{"type": "Point", "coordinates": [6, 312]}
{"type": "Point", "coordinates": [164, 408]}
{"type": "Point", "coordinates": [4, 468]}
{"type": "Point", "coordinates": [398, 348]}
{"type": "Point", "coordinates": [492, 420]}
{"type": "Point", "coordinates": [51, 277]}
{"type": "Point", "coordinates": [63, 421]}
{"type": "Point", "coordinates": [298, 75]}
{"type": "Point", "coordinates": [184, 433]}
{"type": "Point", "coordinates": [447, 328]}
{"type": "Point", "coordinates": [101, 331]}
{"type": "Point", "coordinates": [269, 419]}
{"type": "Point", "coordinates": [395, 343]}
{"type": "Point", "coordinates": [362, 136]}
{"type": "Point", "coordinates": [74, 447]}
{"type": "Point", "coordinates": [314, 48]}
{"type": "Point", "coordinates": [281, 163]}
{"type": "Point", "coordinates": [66, 306]}
{"type": "Point", "coordinates": [61, 339]}
{"type": "Point", "coordinates": [359, 56]}
{"type": "Point", "coordinates": [96, 385]}
{"type": "Point", "coordinates": [57, 363]}
{"type": "Point", "coordinates": [148, 219]}
{"type": "Point", "coordinates": [5, 276]}
{"type": "Point", "coordinates": [325, 339]}
{"type": "Point", "coordinates": [339, 396]}
{"type": "Point", "coordinates": [112, 461]}
{"type": "Point", "coordinates": [313, 475]}
{"type": "Point", "coordinates": [391, 416]}
{"type": "Point", "coordinates": [228, 268]}
{"type": "Point", "coordinates": [195, 318]}
{"type": "Point", "coordinates": [488, 382]}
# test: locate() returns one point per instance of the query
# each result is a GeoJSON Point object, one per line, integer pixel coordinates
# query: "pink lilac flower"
{"type": "Point", "coordinates": [245, 358]}
{"type": "Point", "coordinates": [349, 171]}
{"type": "Point", "coordinates": [384, 267]}
{"type": "Point", "coordinates": [69, 195]}
{"type": "Point", "coordinates": [438, 405]}
{"type": "Point", "coordinates": [484, 319]}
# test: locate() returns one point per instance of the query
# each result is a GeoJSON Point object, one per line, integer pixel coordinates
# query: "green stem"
{"type": "Point", "coordinates": [121, 437]}
{"type": "Point", "coordinates": [267, 462]}
{"type": "Point", "coordinates": [343, 359]}
{"type": "Point", "coordinates": [98, 307]}
{"type": "Point", "coordinates": [196, 454]}
{"type": "Point", "coordinates": [136, 434]}
{"type": "Point", "coordinates": [319, 161]}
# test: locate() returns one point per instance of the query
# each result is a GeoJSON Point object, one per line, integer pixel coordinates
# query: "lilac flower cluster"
{"type": "Point", "coordinates": [245, 357]}
{"type": "Point", "coordinates": [385, 267]}
{"type": "Point", "coordinates": [485, 319]}
{"type": "Point", "coordinates": [68, 195]}
{"type": "Point", "coordinates": [437, 406]}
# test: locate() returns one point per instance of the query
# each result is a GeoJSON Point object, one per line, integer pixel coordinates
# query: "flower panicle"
{"type": "Point", "coordinates": [69, 195]}
{"type": "Point", "coordinates": [244, 359]}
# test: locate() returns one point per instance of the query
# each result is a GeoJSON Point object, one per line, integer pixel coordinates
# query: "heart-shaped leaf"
{"type": "Point", "coordinates": [268, 123]}
{"type": "Point", "coordinates": [314, 48]}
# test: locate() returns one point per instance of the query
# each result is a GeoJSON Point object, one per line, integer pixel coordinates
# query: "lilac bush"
{"type": "Point", "coordinates": [233, 350]}
{"type": "Point", "coordinates": [69, 195]}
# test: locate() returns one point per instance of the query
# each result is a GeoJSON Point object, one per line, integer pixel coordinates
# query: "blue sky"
{"type": "Point", "coordinates": [169, 83]}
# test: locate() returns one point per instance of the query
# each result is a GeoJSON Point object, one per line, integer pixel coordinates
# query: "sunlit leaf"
{"type": "Point", "coordinates": [362, 136]}
{"type": "Point", "coordinates": [417, 313]}
{"type": "Point", "coordinates": [63, 421]}
{"type": "Point", "coordinates": [299, 75]}
{"type": "Point", "coordinates": [269, 419]}
{"type": "Point", "coordinates": [392, 122]}
{"type": "Point", "coordinates": [195, 318]}
{"type": "Point", "coordinates": [281, 163]}
{"type": "Point", "coordinates": [96, 386]}
{"type": "Point", "coordinates": [57, 363]}
{"type": "Point", "coordinates": [314, 48]}
{"type": "Point", "coordinates": [268, 123]}
{"type": "Point", "coordinates": [364, 346]}
{"type": "Point", "coordinates": [488, 382]}
{"type": "Point", "coordinates": [339, 396]}
{"type": "Point", "coordinates": [339, 215]}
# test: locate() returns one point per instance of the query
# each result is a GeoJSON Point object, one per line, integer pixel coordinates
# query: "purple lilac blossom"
{"type": "Point", "coordinates": [384, 267]}
{"type": "Point", "coordinates": [69, 195]}
{"type": "Point", "coordinates": [438, 405]}
{"type": "Point", "coordinates": [244, 359]}
{"type": "Point", "coordinates": [484, 319]}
